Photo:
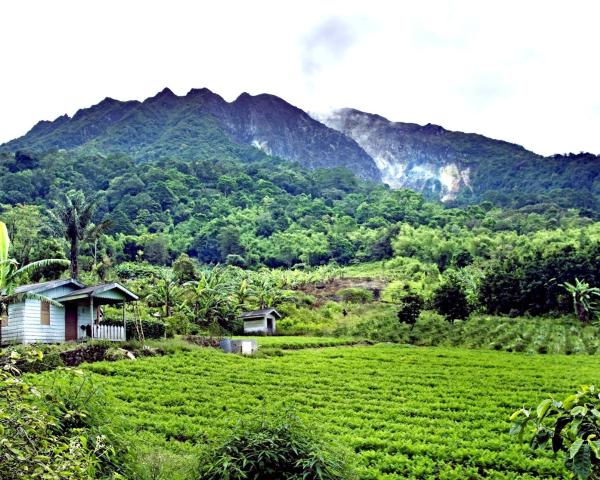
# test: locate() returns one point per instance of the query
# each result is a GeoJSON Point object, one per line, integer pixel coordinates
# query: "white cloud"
{"type": "Point", "coordinates": [521, 71]}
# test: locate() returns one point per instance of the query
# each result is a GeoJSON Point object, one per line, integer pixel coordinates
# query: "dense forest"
{"type": "Point", "coordinates": [268, 213]}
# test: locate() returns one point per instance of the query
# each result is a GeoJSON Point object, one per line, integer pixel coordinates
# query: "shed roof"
{"type": "Point", "coordinates": [98, 290]}
{"type": "Point", "coordinates": [43, 286]}
{"type": "Point", "coordinates": [260, 313]}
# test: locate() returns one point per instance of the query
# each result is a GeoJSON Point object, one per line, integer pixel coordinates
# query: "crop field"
{"type": "Point", "coordinates": [405, 412]}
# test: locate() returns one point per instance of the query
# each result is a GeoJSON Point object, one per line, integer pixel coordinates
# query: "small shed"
{"type": "Point", "coordinates": [261, 321]}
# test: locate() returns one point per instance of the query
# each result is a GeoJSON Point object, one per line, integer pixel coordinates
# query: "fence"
{"type": "Point", "coordinates": [109, 332]}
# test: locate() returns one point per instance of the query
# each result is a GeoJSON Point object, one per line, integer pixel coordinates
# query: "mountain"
{"type": "Point", "coordinates": [434, 160]}
{"type": "Point", "coordinates": [200, 124]}
{"type": "Point", "coordinates": [454, 167]}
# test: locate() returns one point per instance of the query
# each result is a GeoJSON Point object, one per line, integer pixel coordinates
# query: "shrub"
{"type": "Point", "coordinates": [355, 295]}
{"type": "Point", "coordinates": [430, 329]}
{"type": "Point", "coordinates": [450, 298]}
{"type": "Point", "coordinates": [48, 438]}
{"type": "Point", "coordinates": [282, 448]}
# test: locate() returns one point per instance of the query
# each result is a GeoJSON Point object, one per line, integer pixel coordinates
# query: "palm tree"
{"type": "Point", "coordinates": [266, 293]}
{"type": "Point", "coordinates": [165, 292]}
{"type": "Point", "coordinates": [11, 274]}
{"type": "Point", "coordinates": [584, 298]}
{"type": "Point", "coordinates": [210, 297]}
{"type": "Point", "coordinates": [73, 216]}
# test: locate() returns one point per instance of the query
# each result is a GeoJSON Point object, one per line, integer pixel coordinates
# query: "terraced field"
{"type": "Point", "coordinates": [406, 412]}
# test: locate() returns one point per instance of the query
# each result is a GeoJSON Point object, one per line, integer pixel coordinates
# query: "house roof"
{"type": "Point", "coordinates": [97, 290]}
{"type": "Point", "coordinates": [260, 313]}
{"type": "Point", "coordinates": [41, 287]}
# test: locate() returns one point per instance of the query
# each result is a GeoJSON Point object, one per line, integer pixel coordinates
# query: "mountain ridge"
{"type": "Point", "coordinates": [451, 166]}
{"type": "Point", "coordinates": [264, 121]}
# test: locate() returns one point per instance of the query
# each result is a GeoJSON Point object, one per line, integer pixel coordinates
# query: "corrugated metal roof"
{"type": "Point", "coordinates": [260, 313]}
{"type": "Point", "coordinates": [40, 287]}
{"type": "Point", "coordinates": [96, 290]}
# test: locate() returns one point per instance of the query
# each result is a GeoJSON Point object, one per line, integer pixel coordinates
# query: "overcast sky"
{"type": "Point", "coordinates": [523, 71]}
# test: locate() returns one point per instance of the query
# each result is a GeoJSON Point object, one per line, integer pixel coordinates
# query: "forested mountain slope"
{"type": "Point", "coordinates": [467, 167]}
{"type": "Point", "coordinates": [200, 125]}
{"type": "Point", "coordinates": [446, 165]}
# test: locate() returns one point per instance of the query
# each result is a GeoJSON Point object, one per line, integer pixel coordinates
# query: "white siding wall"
{"type": "Point", "coordinates": [33, 331]}
{"type": "Point", "coordinates": [13, 332]}
{"type": "Point", "coordinates": [255, 325]}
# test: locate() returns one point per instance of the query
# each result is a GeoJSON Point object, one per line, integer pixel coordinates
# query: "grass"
{"type": "Point", "coordinates": [379, 322]}
{"type": "Point", "coordinates": [406, 412]}
{"type": "Point", "coordinates": [294, 343]}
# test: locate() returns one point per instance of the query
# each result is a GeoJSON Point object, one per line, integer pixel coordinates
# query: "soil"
{"type": "Point", "coordinates": [327, 291]}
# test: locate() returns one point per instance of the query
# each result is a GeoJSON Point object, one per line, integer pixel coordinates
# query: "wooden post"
{"type": "Point", "coordinates": [124, 322]}
{"type": "Point", "coordinates": [92, 315]}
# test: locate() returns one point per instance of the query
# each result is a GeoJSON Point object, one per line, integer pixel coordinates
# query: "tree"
{"type": "Point", "coordinates": [450, 298]}
{"type": "Point", "coordinates": [165, 292]}
{"type": "Point", "coordinates": [410, 304]}
{"type": "Point", "coordinates": [209, 298]}
{"type": "Point", "coordinates": [584, 297]}
{"type": "Point", "coordinates": [184, 269]}
{"type": "Point", "coordinates": [73, 216]}
{"type": "Point", "coordinates": [11, 275]}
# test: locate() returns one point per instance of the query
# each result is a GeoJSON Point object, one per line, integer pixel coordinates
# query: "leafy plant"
{"type": "Point", "coordinates": [571, 426]}
{"type": "Point", "coordinates": [281, 448]}
{"type": "Point", "coordinates": [585, 299]}
{"type": "Point", "coordinates": [35, 444]}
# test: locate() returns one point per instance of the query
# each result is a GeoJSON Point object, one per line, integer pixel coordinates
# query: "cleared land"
{"type": "Point", "coordinates": [407, 412]}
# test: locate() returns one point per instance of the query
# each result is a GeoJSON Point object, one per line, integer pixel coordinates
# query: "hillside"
{"type": "Point", "coordinates": [200, 125]}
{"type": "Point", "coordinates": [466, 166]}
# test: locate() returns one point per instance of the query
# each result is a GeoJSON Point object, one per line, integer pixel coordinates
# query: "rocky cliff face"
{"type": "Point", "coordinates": [201, 124]}
{"type": "Point", "coordinates": [425, 158]}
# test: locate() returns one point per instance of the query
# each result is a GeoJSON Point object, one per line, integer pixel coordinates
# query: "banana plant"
{"type": "Point", "coordinates": [11, 274]}
{"type": "Point", "coordinates": [585, 298]}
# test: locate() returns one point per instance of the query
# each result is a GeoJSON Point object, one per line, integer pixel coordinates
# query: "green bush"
{"type": "Point", "coordinates": [151, 328]}
{"type": "Point", "coordinates": [430, 329]}
{"type": "Point", "coordinates": [282, 449]}
{"type": "Point", "coordinates": [54, 436]}
{"type": "Point", "coordinates": [355, 295]}
{"type": "Point", "coordinates": [570, 426]}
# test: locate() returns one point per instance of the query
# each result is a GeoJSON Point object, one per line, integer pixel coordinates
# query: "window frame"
{"type": "Point", "coordinates": [44, 313]}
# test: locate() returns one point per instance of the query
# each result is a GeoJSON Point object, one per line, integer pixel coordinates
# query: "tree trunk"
{"type": "Point", "coordinates": [74, 259]}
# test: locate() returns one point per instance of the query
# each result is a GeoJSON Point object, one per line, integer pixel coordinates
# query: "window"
{"type": "Point", "coordinates": [45, 314]}
{"type": "Point", "coordinates": [4, 318]}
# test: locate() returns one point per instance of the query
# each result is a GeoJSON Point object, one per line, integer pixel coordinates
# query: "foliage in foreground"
{"type": "Point", "coordinates": [53, 438]}
{"type": "Point", "coordinates": [281, 448]}
{"type": "Point", "coordinates": [571, 426]}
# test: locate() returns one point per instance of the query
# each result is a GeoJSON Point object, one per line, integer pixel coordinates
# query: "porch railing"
{"type": "Point", "coordinates": [108, 332]}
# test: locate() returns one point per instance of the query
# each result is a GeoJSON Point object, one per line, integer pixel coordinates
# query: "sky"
{"type": "Point", "coordinates": [522, 71]}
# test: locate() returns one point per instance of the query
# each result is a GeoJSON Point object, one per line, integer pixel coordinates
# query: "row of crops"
{"type": "Point", "coordinates": [405, 412]}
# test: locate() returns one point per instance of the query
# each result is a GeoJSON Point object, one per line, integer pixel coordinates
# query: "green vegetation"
{"type": "Point", "coordinates": [280, 448]}
{"type": "Point", "coordinates": [405, 412]}
{"type": "Point", "coordinates": [60, 435]}
{"type": "Point", "coordinates": [569, 426]}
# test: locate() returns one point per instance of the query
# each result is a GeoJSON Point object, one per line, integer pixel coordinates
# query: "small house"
{"type": "Point", "coordinates": [261, 321]}
{"type": "Point", "coordinates": [78, 317]}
